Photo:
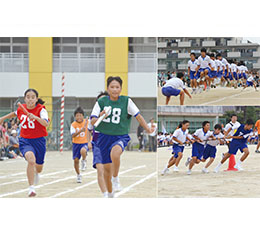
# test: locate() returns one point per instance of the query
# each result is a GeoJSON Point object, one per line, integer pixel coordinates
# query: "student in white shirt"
{"type": "Point", "coordinates": [192, 66]}
{"type": "Point", "coordinates": [171, 88]}
{"type": "Point", "coordinates": [180, 136]}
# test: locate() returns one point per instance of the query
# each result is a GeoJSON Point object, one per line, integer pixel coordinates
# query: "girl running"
{"type": "Point", "coordinates": [32, 143]}
{"type": "Point", "coordinates": [113, 130]}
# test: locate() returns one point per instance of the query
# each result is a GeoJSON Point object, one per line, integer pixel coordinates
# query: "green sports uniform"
{"type": "Point", "coordinates": [119, 120]}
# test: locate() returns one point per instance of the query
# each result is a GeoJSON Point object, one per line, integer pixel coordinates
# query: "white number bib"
{"type": "Point", "coordinates": [30, 123]}
{"type": "Point", "coordinates": [115, 116]}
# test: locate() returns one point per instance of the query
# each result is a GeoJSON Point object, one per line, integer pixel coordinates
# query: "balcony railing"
{"type": "Point", "coordinates": [14, 62]}
{"type": "Point", "coordinates": [142, 62]}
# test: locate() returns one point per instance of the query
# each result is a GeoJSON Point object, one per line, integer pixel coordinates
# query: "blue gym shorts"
{"type": "Point", "coordinates": [169, 91]}
{"type": "Point", "coordinates": [176, 149]}
{"type": "Point", "coordinates": [234, 146]}
{"type": "Point", "coordinates": [35, 145]}
{"type": "Point", "coordinates": [104, 145]}
{"type": "Point", "coordinates": [209, 152]}
{"type": "Point", "coordinates": [197, 150]}
{"type": "Point", "coordinates": [76, 149]}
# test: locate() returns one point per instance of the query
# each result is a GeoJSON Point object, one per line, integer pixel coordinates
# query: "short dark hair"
{"type": "Point", "coordinates": [102, 93]}
{"type": "Point", "coordinates": [219, 55]}
{"type": "Point", "coordinates": [249, 122]}
{"type": "Point", "coordinates": [193, 54]}
{"type": "Point", "coordinates": [203, 50]}
{"type": "Point", "coordinates": [116, 78]}
{"type": "Point", "coordinates": [180, 75]}
{"type": "Point", "coordinates": [218, 126]}
{"type": "Point", "coordinates": [204, 123]}
{"type": "Point", "coordinates": [212, 55]}
{"type": "Point", "coordinates": [79, 110]}
{"type": "Point", "coordinates": [233, 115]}
{"type": "Point", "coordinates": [185, 122]}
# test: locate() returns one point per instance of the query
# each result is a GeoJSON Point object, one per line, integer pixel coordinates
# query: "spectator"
{"type": "Point", "coordinates": [140, 136]}
{"type": "Point", "coordinates": [14, 144]}
{"type": "Point", "coordinates": [152, 136]}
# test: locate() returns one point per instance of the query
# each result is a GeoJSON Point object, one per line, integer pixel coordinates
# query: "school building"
{"type": "Point", "coordinates": [169, 117]}
{"type": "Point", "coordinates": [174, 52]}
{"type": "Point", "coordinates": [86, 62]}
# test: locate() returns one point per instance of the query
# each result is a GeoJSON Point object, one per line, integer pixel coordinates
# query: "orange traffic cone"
{"type": "Point", "coordinates": [231, 164]}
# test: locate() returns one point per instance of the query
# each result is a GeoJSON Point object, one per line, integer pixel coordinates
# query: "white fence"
{"type": "Point", "coordinates": [14, 62]}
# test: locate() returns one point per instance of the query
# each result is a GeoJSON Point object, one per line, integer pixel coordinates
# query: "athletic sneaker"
{"type": "Point", "coordinates": [111, 195]}
{"type": "Point", "coordinates": [188, 161]}
{"type": "Point", "coordinates": [79, 179]}
{"type": "Point", "coordinates": [31, 192]}
{"type": "Point", "coordinates": [105, 194]}
{"type": "Point", "coordinates": [189, 172]}
{"type": "Point", "coordinates": [36, 178]}
{"type": "Point", "coordinates": [83, 165]}
{"type": "Point", "coordinates": [257, 151]}
{"type": "Point", "coordinates": [205, 170]}
{"type": "Point", "coordinates": [116, 185]}
{"type": "Point", "coordinates": [238, 167]}
{"type": "Point", "coordinates": [176, 169]}
{"type": "Point", "coordinates": [165, 171]}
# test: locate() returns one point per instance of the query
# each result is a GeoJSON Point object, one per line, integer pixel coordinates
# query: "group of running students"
{"type": "Point", "coordinates": [107, 140]}
{"type": "Point", "coordinates": [207, 72]}
{"type": "Point", "coordinates": [205, 142]}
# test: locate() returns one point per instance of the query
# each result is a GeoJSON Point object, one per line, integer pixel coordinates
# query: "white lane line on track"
{"type": "Point", "coordinates": [11, 175]}
{"type": "Point", "coordinates": [127, 189]}
{"type": "Point", "coordinates": [93, 182]}
{"type": "Point", "coordinates": [42, 185]}
{"type": "Point", "coordinates": [44, 175]}
{"type": "Point", "coordinates": [227, 97]}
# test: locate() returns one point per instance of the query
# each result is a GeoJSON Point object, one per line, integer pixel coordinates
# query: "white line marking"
{"type": "Point", "coordinates": [231, 96]}
{"type": "Point", "coordinates": [22, 180]}
{"type": "Point", "coordinates": [16, 174]}
{"type": "Point", "coordinates": [42, 185]}
{"type": "Point", "coordinates": [136, 183]}
{"type": "Point", "coordinates": [93, 182]}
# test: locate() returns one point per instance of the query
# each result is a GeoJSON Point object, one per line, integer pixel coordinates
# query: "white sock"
{"type": "Point", "coordinates": [239, 162]}
{"type": "Point", "coordinates": [115, 178]}
{"type": "Point", "coordinates": [219, 165]}
{"type": "Point", "coordinates": [174, 166]}
{"type": "Point", "coordinates": [105, 194]}
{"type": "Point", "coordinates": [31, 187]}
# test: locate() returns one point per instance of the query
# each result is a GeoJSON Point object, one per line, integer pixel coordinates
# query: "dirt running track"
{"type": "Point", "coordinates": [137, 177]}
{"type": "Point", "coordinates": [223, 184]}
{"type": "Point", "coordinates": [217, 96]}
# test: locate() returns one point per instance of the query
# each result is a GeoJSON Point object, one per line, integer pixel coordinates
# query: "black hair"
{"type": "Point", "coordinates": [249, 122]}
{"type": "Point", "coordinates": [203, 50]}
{"type": "Point", "coordinates": [185, 122]}
{"type": "Point", "coordinates": [102, 93]}
{"type": "Point", "coordinates": [212, 55]}
{"type": "Point", "coordinates": [233, 115]}
{"type": "Point", "coordinates": [193, 54]}
{"type": "Point", "coordinates": [204, 123]}
{"type": "Point", "coordinates": [40, 101]}
{"type": "Point", "coordinates": [79, 110]}
{"type": "Point", "coordinates": [180, 125]}
{"type": "Point", "coordinates": [218, 126]}
{"type": "Point", "coordinates": [219, 55]}
{"type": "Point", "coordinates": [180, 75]}
{"type": "Point", "coordinates": [116, 78]}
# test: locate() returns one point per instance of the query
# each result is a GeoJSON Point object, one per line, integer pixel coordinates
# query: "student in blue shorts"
{"type": "Point", "coordinates": [239, 142]}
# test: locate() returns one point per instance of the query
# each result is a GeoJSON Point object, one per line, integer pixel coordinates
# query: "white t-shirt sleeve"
{"type": "Point", "coordinates": [90, 126]}
{"type": "Point", "coordinates": [196, 132]}
{"type": "Point", "coordinates": [44, 114]}
{"type": "Point", "coordinates": [228, 126]}
{"type": "Point", "coordinates": [72, 130]}
{"type": "Point", "coordinates": [132, 108]}
{"type": "Point", "coordinates": [96, 111]}
{"type": "Point", "coordinates": [175, 134]}
{"type": "Point", "coordinates": [182, 84]}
